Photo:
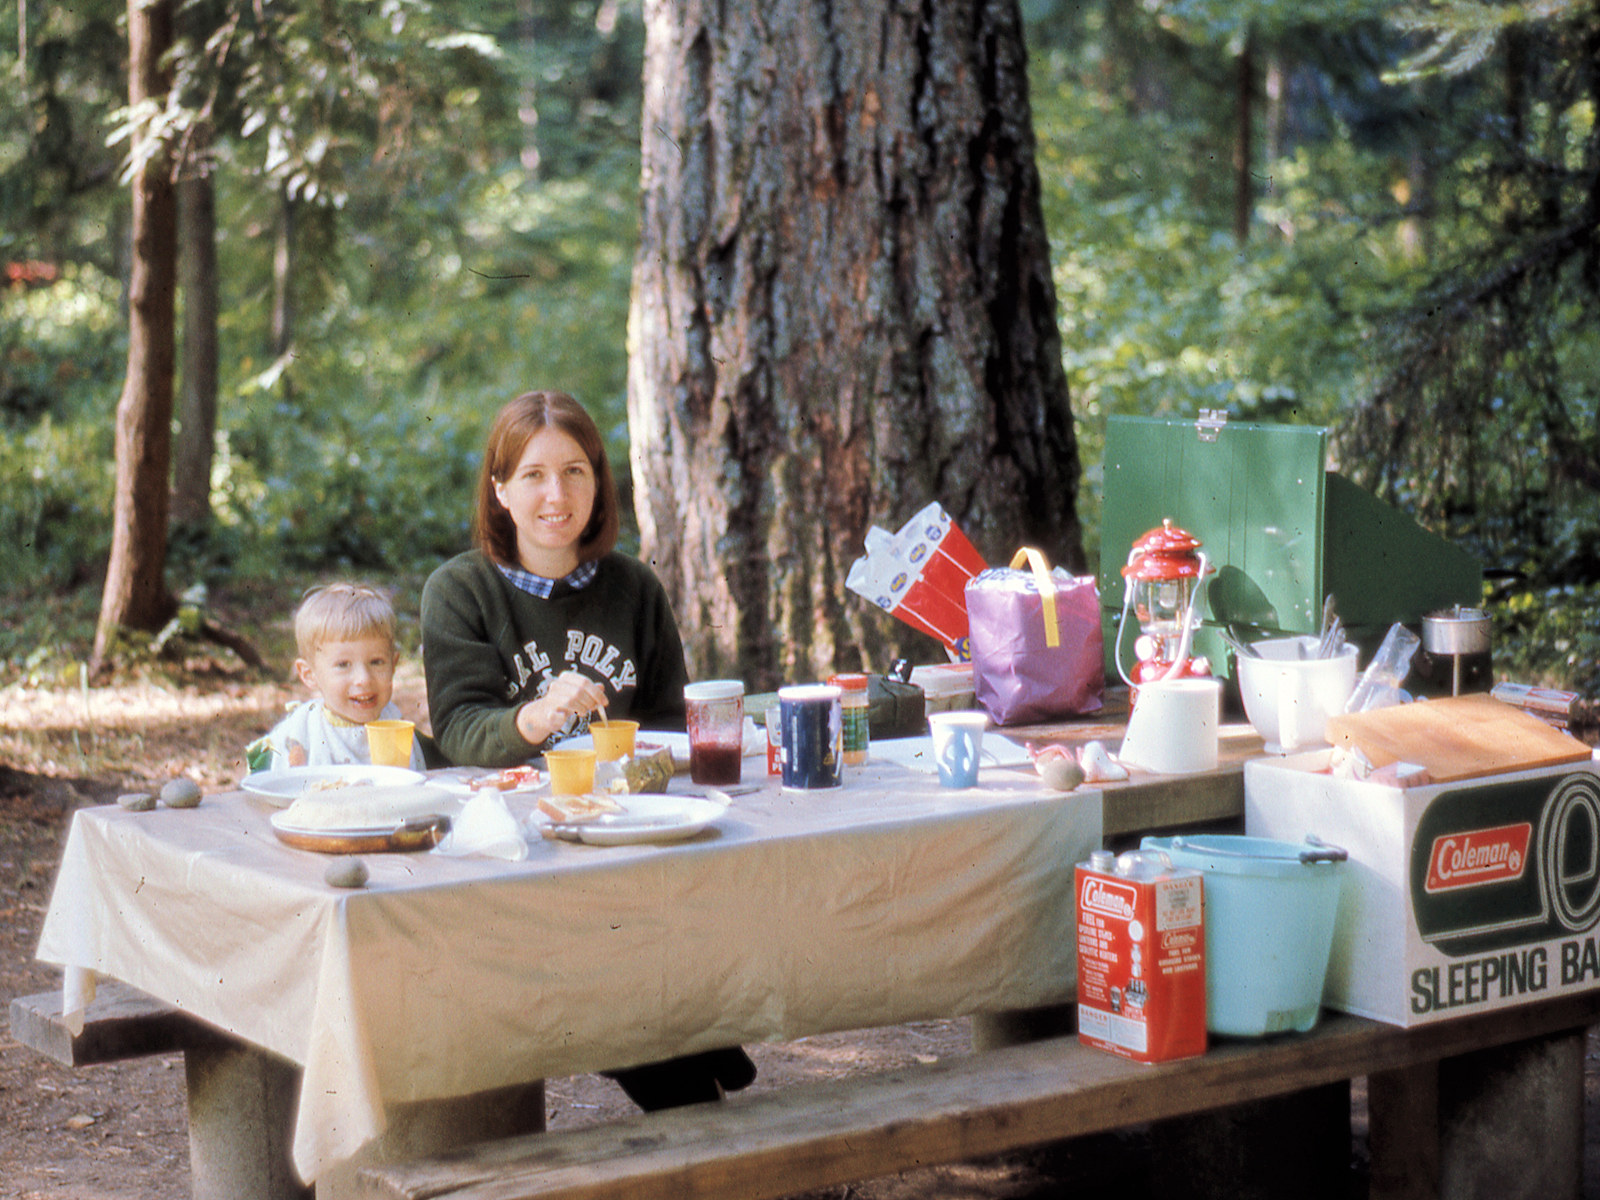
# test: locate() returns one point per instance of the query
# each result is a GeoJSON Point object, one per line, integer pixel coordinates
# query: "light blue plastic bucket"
{"type": "Point", "coordinates": [1270, 909]}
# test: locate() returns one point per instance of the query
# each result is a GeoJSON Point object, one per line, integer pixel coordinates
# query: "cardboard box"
{"type": "Point", "coordinates": [1460, 898]}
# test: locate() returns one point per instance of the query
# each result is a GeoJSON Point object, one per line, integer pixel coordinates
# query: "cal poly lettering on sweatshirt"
{"type": "Point", "coordinates": [584, 650]}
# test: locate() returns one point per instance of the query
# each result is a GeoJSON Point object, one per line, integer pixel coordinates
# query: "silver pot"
{"type": "Point", "coordinates": [1456, 631]}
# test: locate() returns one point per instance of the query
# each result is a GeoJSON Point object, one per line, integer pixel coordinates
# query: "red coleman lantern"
{"type": "Point", "coordinates": [1165, 572]}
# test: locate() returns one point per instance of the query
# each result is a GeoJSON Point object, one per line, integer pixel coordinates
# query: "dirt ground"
{"type": "Point", "coordinates": [118, 1132]}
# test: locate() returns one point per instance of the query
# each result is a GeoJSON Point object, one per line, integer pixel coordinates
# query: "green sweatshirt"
{"type": "Point", "coordinates": [488, 647]}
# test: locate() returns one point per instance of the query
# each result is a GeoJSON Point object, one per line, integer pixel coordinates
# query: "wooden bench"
{"type": "Point", "coordinates": [779, 1143]}
{"type": "Point", "coordinates": [240, 1098]}
{"type": "Point", "coordinates": [123, 1023]}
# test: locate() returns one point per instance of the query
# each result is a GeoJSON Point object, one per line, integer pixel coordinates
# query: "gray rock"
{"type": "Point", "coordinates": [346, 872]}
{"type": "Point", "coordinates": [181, 792]}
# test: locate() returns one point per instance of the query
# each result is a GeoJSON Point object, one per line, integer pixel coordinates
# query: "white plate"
{"type": "Point", "coordinates": [649, 818]}
{"type": "Point", "coordinates": [281, 787]}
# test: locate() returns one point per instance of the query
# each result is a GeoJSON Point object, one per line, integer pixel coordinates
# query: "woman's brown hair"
{"type": "Point", "coordinates": [492, 528]}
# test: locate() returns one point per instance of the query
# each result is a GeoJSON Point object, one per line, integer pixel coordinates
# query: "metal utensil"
{"type": "Point", "coordinates": [1325, 627]}
{"type": "Point", "coordinates": [1332, 640]}
{"type": "Point", "coordinates": [1242, 649]}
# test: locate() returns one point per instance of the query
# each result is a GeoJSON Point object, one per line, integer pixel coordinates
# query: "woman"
{"type": "Point", "coordinates": [545, 623]}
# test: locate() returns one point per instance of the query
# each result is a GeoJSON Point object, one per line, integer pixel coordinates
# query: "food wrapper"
{"type": "Point", "coordinates": [919, 575]}
{"type": "Point", "coordinates": [649, 769]}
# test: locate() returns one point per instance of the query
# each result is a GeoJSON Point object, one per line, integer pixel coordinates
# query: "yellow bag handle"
{"type": "Point", "coordinates": [1047, 590]}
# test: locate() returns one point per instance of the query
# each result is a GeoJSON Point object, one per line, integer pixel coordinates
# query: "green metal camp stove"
{"type": "Point", "coordinates": [1281, 532]}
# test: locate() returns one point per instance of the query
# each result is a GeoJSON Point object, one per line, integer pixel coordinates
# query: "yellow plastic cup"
{"type": "Point", "coordinates": [389, 742]}
{"type": "Point", "coordinates": [571, 771]}
{"type": "Point", "coordinates": [613, 739]}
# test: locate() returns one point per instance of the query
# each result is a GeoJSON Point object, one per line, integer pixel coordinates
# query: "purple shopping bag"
{"type": "Point", "coordinates": [1037, 648]}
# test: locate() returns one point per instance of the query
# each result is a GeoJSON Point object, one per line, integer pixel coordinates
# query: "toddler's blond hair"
{"type": "Point", "coordinates": [342, 612]}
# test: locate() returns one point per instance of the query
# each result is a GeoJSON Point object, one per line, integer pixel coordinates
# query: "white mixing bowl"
{"type": "Point", "coordinates": [1288, 697]}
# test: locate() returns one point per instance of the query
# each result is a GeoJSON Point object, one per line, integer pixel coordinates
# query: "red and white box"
{"type": "Point", "coordinates": [920, 574]}
{"type": "Point", "coordinates": [1141, 957]}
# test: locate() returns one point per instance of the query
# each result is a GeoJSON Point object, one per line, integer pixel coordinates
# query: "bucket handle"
{"type": "Point", "coordinates": [1316, 850]}
{"type": "Point", "coordinates": [1321, 851]}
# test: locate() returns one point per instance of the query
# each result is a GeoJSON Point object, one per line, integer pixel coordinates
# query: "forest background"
{"type": "Point", "coordinates": [1382, 221]}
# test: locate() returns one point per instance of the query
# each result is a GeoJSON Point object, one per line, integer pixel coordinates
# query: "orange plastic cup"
{"type": "Point", "coordinates": [571, 771]}
{"type": "Point", "coordinates": [389, 742]}
{"type": "Point", "coordinates": [613, 739]}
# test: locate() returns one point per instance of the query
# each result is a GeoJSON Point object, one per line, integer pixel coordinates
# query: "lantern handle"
{"type": "Point", "coordinates": [1182, 656]}
{"type": "Point", "coordinates": [1127, 611]}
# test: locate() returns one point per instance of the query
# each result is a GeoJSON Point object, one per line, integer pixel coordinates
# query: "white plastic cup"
{"type": "Point", "coordinates": [957, 746]}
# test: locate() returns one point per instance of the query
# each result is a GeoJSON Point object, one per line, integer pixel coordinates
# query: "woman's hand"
{"type": "Point", "coordinates": [570, 694]}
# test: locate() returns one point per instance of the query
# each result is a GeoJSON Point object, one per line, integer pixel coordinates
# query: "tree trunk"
{"type": "Point", "coordinates": [136, 595]}
{"type": "Point", "coordinates": [1244, 188]}
{"type": "Point", "coordinates": [283, 265]}
{"type": "Point", "coordinates": [197, 408]}
{"type": "Point", "coordinates": [842, 310]}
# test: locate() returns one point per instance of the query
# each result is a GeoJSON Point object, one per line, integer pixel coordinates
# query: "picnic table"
{"type": "Point", "coordinates": [400, 1019]}
{"type": "Point", "coordinates": [886, 901]}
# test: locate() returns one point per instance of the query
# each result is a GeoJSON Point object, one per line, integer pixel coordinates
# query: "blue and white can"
{"type": "Point", "coordinates": [813, 736]}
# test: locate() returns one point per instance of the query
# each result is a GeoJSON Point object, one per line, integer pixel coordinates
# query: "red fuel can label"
{"type": "Point", "coordinates": [1141, 964]}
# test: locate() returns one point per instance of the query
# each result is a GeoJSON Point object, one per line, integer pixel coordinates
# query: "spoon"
{"type": "Point", "coordinates": [1239, 648]}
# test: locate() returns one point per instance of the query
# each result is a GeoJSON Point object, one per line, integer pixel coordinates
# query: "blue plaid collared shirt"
{"type": "Point", "coordinates": [538, 585]}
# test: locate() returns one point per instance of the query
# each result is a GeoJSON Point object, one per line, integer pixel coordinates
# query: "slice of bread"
{"type": "Point", "coordinates": [571, 810]}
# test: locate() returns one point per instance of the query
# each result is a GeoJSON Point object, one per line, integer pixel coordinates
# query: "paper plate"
{"type": "Point", "coordinates": [646, 818]}
{"type": "Point", "coordinates": [290, 783]}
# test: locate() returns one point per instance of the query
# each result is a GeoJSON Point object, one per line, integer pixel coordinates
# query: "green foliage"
{"type": "Point", "coordinates": [56, 485]}
{"type": "Point", "coordinates": [1550, 636]}
{"type": "Point", "coordinates": [1162, 312]}
{"type": "Point", "coordinates": [463, 180]}
{"type": "Point", "coordinates": [440, 276]}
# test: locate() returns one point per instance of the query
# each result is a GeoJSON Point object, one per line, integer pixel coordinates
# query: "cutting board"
{"type": "Point", "coordinates": [1457, 737]}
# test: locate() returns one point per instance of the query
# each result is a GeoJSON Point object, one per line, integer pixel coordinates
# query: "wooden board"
{"type": "Point", "coordinates": [1457, 737]}
{"type": "Point", "coordinates": [121, 1023]}
{"type": "Point", "coordinates": [756, 1147]}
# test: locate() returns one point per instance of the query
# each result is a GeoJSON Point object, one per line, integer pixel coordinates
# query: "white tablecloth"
{"type": "Point", "coordinates": [886, 901]}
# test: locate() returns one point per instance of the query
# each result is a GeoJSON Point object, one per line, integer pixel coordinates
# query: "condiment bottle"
{"type": "Point", "coordinates": [853, 710]}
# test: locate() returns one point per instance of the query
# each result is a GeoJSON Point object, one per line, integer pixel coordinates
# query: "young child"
{"type": "Point", "coordinates": [345, 636]}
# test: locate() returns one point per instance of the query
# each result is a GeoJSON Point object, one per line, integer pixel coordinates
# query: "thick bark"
{"type": "Point", "coordinates": [197, 406]}
{"type": "Point", "coordinates": [136, 596]}
{"type": "Point", "coordinates": [842, 309]}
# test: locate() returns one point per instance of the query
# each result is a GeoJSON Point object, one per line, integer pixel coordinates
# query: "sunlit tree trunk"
{"type": "Point", "coordinates": [197, 405]}
{"type": "Point", "coordinates": [842, 310]}
{"type": "Point", "coordinates": [283, 276]}
{"type": "Point", "coordinates": [136, 596]}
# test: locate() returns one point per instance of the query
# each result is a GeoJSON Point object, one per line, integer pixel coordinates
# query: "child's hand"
{"type": "Point", "coordinates": [297, 754]}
